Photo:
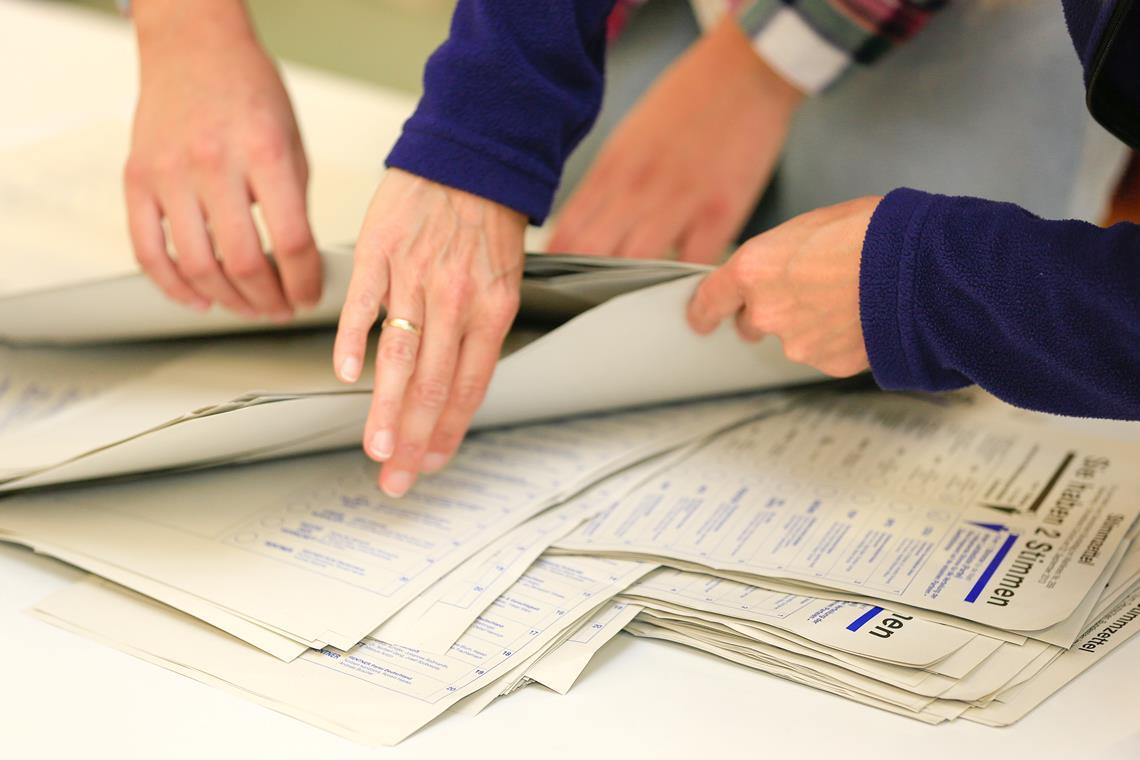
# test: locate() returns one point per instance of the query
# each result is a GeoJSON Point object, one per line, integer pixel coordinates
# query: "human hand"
{"type": "Point", "coordinates": [448, 265]}
{"type": "Point", "coordinates": [214, 133]}
{"type": "Point", "coordinates": [687, 165]}
{"type": "Point", "coordinates": [800, 282]}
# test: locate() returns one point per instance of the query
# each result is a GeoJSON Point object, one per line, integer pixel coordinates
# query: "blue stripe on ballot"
{"type": "Point", "coordinates": [991, 568]}
{"type": "Point", "coordinates": [860, 621]}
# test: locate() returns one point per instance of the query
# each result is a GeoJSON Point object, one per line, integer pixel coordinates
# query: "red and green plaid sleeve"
{"type": "Point", "coordinates": [813, 43]}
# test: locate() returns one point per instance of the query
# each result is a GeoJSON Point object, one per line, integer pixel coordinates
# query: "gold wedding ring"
{"type": "Point", "coordinates": [401, 324]}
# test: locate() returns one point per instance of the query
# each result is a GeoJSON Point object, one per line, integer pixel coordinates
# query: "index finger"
{"type": "Point", "coordinates": [367, 290]}
{"type": "Point", "coordinates": [717, 297]}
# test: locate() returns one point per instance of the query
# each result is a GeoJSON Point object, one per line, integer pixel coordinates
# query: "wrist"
{"type": "Point", "coordinates": [165, 25]}
{"type": "Point", "coordinates": [732, 43]}
{"type": "Point", "coordinates": [886, 289]}
{"type": "Point", "coordinates": [471, 163]}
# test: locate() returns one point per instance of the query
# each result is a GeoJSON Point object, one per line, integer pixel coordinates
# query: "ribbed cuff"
{"type": "Point", "coordinates": [796, 51]}
{"type": "Point", "coordinates": [443, 159]}
{"type": "Point", "coordinates": [891, 249]}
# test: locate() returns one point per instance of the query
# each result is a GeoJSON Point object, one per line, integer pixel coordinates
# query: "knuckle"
{"type": "Point", "coordinates": [759, 322]}
{"type": "Point", "coordinates": [411, 451]}
{"type": "Point", "coordinates": [502, 308]}
{"type": "Point", "coordinates": [147, 257]}
{"type": "Point", "coordinates": [246, 267]}
{"type": "Point", "coordinates": [397, 351]}
{"type": "Point", "coordinates": [797, 351]}
{"type": "Point", "coordinates": [642, 178]}
{"type": "Point", "coordinates": [207, 153]}
{"type": "Point", "coordinates": [198, 267]}
{"type": "Point", "coordinates": [716, 209]}
{"type": "Point", "coordinates": [168, 166]}
{"type": "Point", "coordinates": [293, 241]}
{"type": "Point", "coordinates": [447, 438]}
{"type": "Point", "coordinates": [365, 304]}
{"type": "Point", "coordinates": [754, 267]}
{"type": "Point", "coordinates": [430, 393]}
{"type": "Point", "coordinates": [173, 293]}
{"type": "Point", "coordinates": [136, 173]}
{"type": "Point", "coordinates": [268, 146]}
{"type": "Point", "coordinates": [468, 395]}
{"type": "Point", "coordinates": [385, 412]}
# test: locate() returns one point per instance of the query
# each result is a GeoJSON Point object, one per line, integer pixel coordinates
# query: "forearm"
{"type": "Point", "coordinates": [507, 97]}
{"type": "Point", "coordinates": [1044, 314]}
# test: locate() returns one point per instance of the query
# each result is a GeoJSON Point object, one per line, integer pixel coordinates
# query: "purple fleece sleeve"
{"type": "Point", "coordinates": [1043, 314]}
{"type": "Point", "coordinates": [506, 98]}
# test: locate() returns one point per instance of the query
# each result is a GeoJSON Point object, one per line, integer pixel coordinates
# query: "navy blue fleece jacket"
{"type": "Point", "coordinates": [513, 89]}
{"type": "Point", "coordinates": [953, 291]}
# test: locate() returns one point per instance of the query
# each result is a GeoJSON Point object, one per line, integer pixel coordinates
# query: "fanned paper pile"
{"type": "Point", "coordinates": [939, 559]}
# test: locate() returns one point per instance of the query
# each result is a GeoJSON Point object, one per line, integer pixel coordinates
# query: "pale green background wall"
{"type": "Point", "coordinates": [380, 41]}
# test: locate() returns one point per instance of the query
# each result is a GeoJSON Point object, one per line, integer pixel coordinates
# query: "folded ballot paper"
{"type": "Point", "coordinates": [933, 559]}
{"type": "Point", "coordinates": [593, 335]}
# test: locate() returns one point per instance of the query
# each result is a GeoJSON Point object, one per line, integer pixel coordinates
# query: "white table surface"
{"type": "Point", "coordinates": [63, 696]}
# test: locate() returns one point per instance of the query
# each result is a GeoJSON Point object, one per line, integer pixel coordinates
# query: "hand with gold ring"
{"type": "Point", "coordinates": [446, 265]}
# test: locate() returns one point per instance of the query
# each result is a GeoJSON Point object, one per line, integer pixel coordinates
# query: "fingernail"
{"type": "Point", "coordinates": [281, 317]}
{"type": "Point", "coordinates": [381, 445]}
{"type": "Point", "coordinates": [350, 370]}
{"type": "Point", "coordinates": [398, 483]}
{"type": "Point", "coordinates": [199, 305]}
{"type": "Point", "coordinates": [434, 462]}
{"type": "Point", "coordinates": [247, 313]}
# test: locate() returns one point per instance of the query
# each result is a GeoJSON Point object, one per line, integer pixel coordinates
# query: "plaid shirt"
{"type": "Point", "coordinates": [813, 43]}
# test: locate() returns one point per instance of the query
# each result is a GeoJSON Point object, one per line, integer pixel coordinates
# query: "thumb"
{"type": "Point", "coordinates": [718, 296]}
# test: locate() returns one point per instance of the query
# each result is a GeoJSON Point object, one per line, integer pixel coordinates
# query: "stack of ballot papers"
{"type": "Point", "coordinates": [925, 559]}
{"type": "Point", "coordinates": [926, 556]}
